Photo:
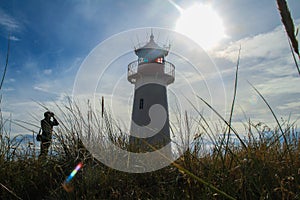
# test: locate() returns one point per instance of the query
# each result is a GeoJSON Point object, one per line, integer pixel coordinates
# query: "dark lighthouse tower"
{"type": "Point", "coordinates": [150, 74]}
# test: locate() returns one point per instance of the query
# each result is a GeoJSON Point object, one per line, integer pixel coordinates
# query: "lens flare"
{"type": "Point", "coordinates": [70, 177]}
{"type": "Point", "coordinates": [253, 100]}
{"type": "Point", "coordinates": [77, 168]}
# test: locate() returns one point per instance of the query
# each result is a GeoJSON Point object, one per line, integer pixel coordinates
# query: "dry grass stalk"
{"type": "Point", "coordinates": [288, 23]}
{"type": "Point", "coordinates": [6, 63]}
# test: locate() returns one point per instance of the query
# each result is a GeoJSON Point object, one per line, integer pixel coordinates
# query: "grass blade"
{"type": "Point", "coordinates": [295, 60]}
{"type": "Point", "coordinates": [234, 96]}
{"type": "Point", "coordinates": [182, 169]}
{"type": "Point", "coordinates": [222, 118]}
{"type": "Point", "coordinates": [6, 63]}
{"type": "Point", "coordinates": [11, 192]}
{"type": "Point", "coordinates": [277, 121]}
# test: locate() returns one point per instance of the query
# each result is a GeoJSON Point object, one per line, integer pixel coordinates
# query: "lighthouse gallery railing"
{"type": "Point", "coordinates": [169, 69]}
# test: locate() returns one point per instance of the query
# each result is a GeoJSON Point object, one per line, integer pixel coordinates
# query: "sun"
{"type": "Point", "coordinates": [202, 24]}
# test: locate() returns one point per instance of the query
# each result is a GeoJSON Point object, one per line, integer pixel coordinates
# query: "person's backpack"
{"type": "Point", "coordinates": [39, 136]}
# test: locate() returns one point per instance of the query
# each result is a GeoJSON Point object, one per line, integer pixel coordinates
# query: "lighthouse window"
{"type": "Point", "coordinates": [142, 60]}
{"type": "Point", "coordinates": [159, 60]}
{"type": "Point", "coordinates": [141, 106]}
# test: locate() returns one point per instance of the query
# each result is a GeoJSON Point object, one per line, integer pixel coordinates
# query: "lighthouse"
{"type": "Point", "coordinates": [150, 74]}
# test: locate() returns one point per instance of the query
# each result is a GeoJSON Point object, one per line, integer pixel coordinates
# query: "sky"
{"type": "Point", "coordinates": [51, 41]}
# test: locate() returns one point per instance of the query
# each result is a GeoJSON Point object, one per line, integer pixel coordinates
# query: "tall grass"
{"type": "Point", "coordinates": [258, 163]}
{"type": "Point", "coordinates": [265, 166]}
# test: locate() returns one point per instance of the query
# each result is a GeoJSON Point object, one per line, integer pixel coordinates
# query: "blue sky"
{"type": "Point", "coordinates": [51, 39]}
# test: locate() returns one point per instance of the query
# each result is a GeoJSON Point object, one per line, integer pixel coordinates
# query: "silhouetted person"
{"type": "Point", "coordinates": [47, 128]}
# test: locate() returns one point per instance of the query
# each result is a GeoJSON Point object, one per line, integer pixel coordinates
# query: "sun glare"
{"type": "Point", "coordinates": [202, 24]}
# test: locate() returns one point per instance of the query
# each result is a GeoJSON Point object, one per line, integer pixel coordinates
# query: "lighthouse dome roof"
{"type": "Point", "coordinates": [151, 48]}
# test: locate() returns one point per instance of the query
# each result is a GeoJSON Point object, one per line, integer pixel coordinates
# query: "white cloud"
{"type": "Point", "coordinates": [291, 105]}
{"type": "Point", "coordinates": [14, 38]}
{"type": "Point", "coordinates": [8, 89]}
{"type": "Point", "coordinates": [266, 46]}
{"type": "Point", "coordinates": [47, 71]}
{"type": "Point", "coordinates": [54, 87]}
{"type": "Point", "coordinates": [8, 21]}
{"type": "Point", "coordinates": [267, 63]}
{"type": "Point", "coordinates": [280, 86]}
{"type": "Point", "coordinates": [74, 65]}
{"type": "Point", "coordinates": [39, 88]}
{"type": "Point", "coordinates": [269, 45]}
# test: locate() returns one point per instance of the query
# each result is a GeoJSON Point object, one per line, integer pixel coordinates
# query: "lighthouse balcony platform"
{"type": "Point", "coordinates": [165, 71]}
